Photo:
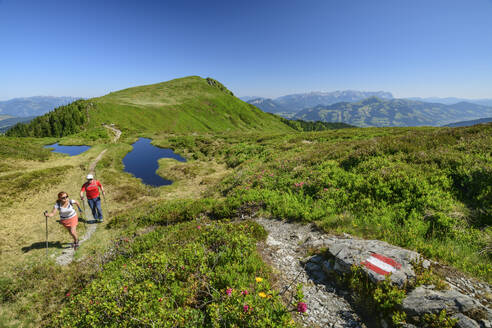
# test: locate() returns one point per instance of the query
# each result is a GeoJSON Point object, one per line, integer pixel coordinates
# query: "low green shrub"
{"type": "Point", "coordinates": [194, 274]}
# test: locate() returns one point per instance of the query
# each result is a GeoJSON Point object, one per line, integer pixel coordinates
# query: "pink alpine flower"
{"type": "Point", "coordinates": [229, 291]}
{"type": "Point", "coordinates": [301, 307]}
{"type": "Point", "coordinates": [245, 292]}
{"type": "Point", "coordinates": [246, 308]}
{"type": "Point", "coordinates": [199, 227]}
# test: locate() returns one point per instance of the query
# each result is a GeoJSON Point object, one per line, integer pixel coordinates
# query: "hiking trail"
{"type": "Point", "coordinates": [67, 255]}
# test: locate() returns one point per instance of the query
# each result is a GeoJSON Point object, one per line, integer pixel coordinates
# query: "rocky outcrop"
{"type": "Point", "coordinates": [347, 252]}
{"type": "Point", "coordinates": [466, 300]}
{"type": "Point", "coordinates": [424, 300]}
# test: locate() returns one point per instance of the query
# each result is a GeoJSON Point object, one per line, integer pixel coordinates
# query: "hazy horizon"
{"type": "Point", "coordinates": [266, 49]}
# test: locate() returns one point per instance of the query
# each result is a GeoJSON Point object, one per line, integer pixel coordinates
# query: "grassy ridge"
{"type": "Point", "coordinates": [183, 105]}
{"type": "Point", "coordinates": [190, 104]}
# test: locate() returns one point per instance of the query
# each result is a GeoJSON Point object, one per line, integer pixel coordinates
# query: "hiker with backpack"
{"type": "Point", "coordinates": [68, 215]}
{"type": "Point", "coordinates": [91, 188]}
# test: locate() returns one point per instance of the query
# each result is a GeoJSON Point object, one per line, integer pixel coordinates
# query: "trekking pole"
{"type": "Point", "coordinates": [46, 217]}
{"type": "Point", "coordinates": [104, 202]}
{"type": "Point", "coordinates": [85, 213]}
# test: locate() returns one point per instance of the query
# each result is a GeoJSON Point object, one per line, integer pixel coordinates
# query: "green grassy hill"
{"type": "Point", "coordinates": [190, 104]}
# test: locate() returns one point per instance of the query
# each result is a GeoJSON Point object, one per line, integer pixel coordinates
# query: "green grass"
{"type": "Point", "coordinates": [183, 105]}
{"type": "Point", "coordinates": [26, 148]}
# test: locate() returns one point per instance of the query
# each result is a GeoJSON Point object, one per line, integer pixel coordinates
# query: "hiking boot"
{"type": "Point", "coordinates": [100, 220]}
{"type": "Point", "coordinates": [76, 246]}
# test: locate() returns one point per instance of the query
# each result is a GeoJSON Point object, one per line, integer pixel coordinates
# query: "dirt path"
{"type": "Point", "coordinates": [117, 133]}
{"type": "Point", "coordinates": [66, 257]}
{"type": "Point", "coordinates": [284, 251]}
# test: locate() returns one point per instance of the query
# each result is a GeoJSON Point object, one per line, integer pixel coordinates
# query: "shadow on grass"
{"type": "Point", "coordinates": [42, 244]}
{"type": "Point", "coordinates": [82, 220]}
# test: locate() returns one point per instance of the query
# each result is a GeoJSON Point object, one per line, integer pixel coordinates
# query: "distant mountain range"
{"type": "Point", "coordinates": [470, 123]}
{"type": "Point", "coordinates": [453, 100]}
{"type": "Point", "coordinates": [32, 106]}
{"type": "Point", "coordinates": [394, 112]}
{"type": "Point", "coordinates": [290, 104]}
{"type": "Point", "coordinates": [296, 102]}
{"type": "Point", "coordinates": [6, 122]}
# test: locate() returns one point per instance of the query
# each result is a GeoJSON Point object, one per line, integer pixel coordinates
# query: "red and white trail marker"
{"type": "Point", "coordinates": [381, 264]}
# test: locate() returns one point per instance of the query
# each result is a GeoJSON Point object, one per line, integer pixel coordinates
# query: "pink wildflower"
{"type": "Point", "coordinates": [199, 227]}
{"type": "Point", "coordinates": [67, 294]}
{"type": "Point", "coordinates": [160, 299]}
{"type": "Point", "coordinates": [229, 291]}
{"type": "Point", "coordinates": [246, 308]}
{"type": "Point", "coordinates": [244, 292]}
{"type": "Point", "coordinates": [125, 288]}
{"type": "Point", "coordinates": [301, 307]}
{"type": "Point", "coordinates": [325, 189]}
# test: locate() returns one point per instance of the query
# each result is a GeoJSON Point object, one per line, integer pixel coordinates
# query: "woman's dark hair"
{"type": "Point", "coordinates": [61, 193]}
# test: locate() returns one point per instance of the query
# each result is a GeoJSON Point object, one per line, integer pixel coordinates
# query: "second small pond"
{"type": "Point", "coordinates": [142, 162]}
{"type": "Point", "coordinates": [69, 150]}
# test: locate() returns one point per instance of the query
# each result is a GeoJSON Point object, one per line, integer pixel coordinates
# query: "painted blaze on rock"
{"type": "Point", "coordinates": [348, 252]}
{"type": "Point", "coordinates": [381, 264]}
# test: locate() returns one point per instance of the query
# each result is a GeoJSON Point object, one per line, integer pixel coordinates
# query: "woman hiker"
{"type": "Point", "coordinates": [68, 216]}
{"type": "Point", "coordinates": [91, 188]}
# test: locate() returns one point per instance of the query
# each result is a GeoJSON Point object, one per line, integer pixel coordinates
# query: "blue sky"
{"type": "Point", "coordinates": [263, 48]}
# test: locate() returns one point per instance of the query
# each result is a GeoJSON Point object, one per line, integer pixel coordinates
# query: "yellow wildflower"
{"type": "Point", "coordinates": [262, 294]}
{"type": "Point", "coordinates": [259, 279]}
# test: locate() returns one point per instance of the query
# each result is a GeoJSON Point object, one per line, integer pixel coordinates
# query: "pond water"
{"type": "Point", "coordinates": [142, 162]}
{"type": "Point", "coordinates": [69, 150]}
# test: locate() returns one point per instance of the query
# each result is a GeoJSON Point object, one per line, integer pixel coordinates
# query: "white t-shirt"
{"type": "Point", "coordinates": [66, 212]}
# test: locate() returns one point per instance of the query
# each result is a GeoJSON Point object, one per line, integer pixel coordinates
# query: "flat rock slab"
{"type": "Point", "coordinates": [377, 258]}
{"type": "Point", "coordinates": [467, 310]}
{"type": "Point", "coordinates": [367, 254]}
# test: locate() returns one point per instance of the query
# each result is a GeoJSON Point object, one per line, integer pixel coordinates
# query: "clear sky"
{"type": "Point", "coordinates": [256, 48]}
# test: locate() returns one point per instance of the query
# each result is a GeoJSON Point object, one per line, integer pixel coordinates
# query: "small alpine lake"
{"type": "Point", "coordinates": [142, 162]}
{"type": "Point", "coordinates": [69, 150]}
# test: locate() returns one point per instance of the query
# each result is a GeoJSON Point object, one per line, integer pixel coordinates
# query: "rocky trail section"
{"type": "Point", "coordinates": [329, 305]}
{"type": "Point", "coordinates": [284, 250]}
{"type": "Point", "coordinates": [67, 255]}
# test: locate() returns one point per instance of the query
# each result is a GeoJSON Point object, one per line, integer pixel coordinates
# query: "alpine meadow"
{"type": "Point", "coordinates": [192, 254]}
